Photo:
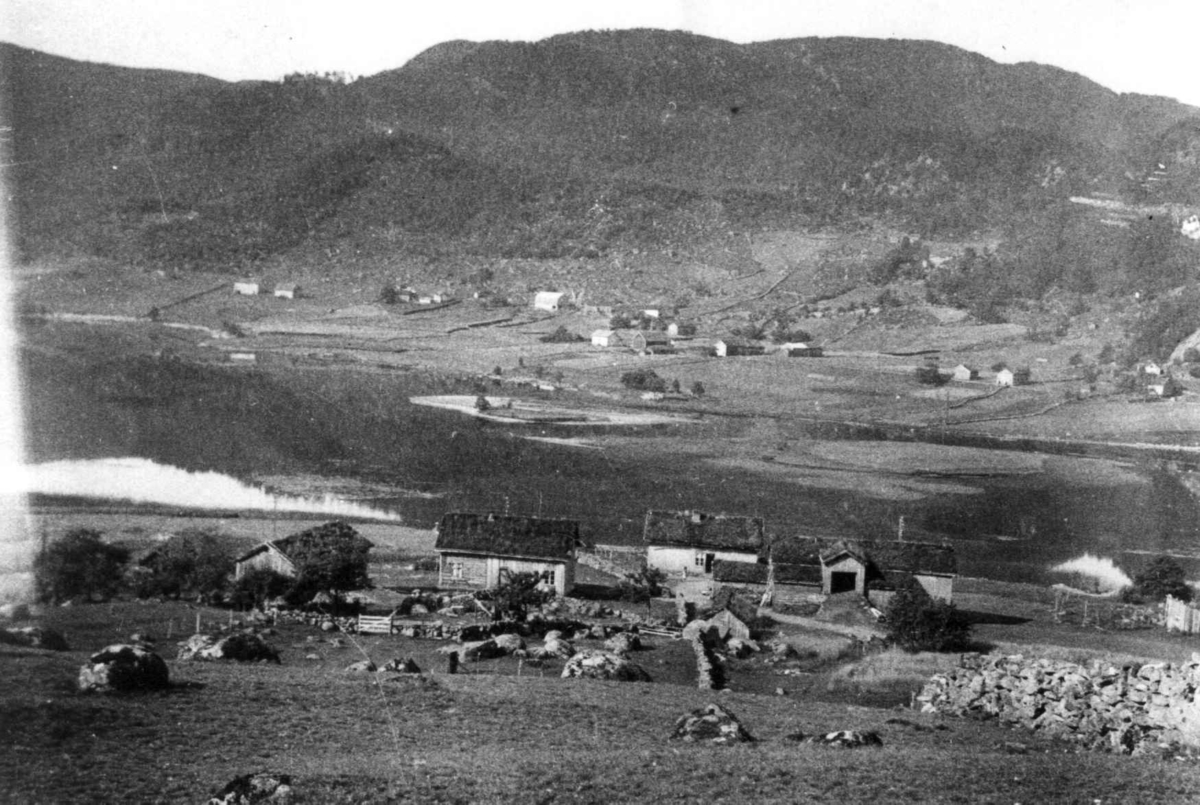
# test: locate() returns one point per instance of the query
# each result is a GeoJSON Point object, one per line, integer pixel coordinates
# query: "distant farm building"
{"type": "Point", "coordinates": [687, 545]}
{"type": "Point", "coordinates": [243, 357]}
{"type": "Point", "coordinates": [281, 555]}
{"type": "Point", "coordinates": [964, 372]}
{"type": "Point", "coordinates": [651, 313]}
{"type": "Point", "coordinates": [650, 342]}
{"type": "Point", "coordinates": [286, 290]}
{"type": "Point", "coordinates": [245, 287]}
{"type": "Point", "coordinates": [1152, 368]}
{"type": "Point", "coordinates": [548, 300]}
{"type": "Point", "coordinates": [607, 338]}
{"type": "Point", "coordinates": [872, 568]}
{"type": "Point", "coordinates": [729, 347]}
{"type": "Point", "coordinates": [1004, 377]}
{"type": "Point", "coordinates": [801, 350]}
{"type": "Point", "coordinates": [478, 551]}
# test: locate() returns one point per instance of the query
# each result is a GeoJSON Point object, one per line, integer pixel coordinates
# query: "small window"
{"type": "Point", "coordinates": [699, 562]}
{"type": "Point", "coordinates": [548, 576]}
{"type": "Point", "coordinates": [456, 570]}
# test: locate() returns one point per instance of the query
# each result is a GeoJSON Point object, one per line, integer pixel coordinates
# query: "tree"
{"type": "Point", "coordinates": [916, 622]}
{"type": "Point", "coordinates": [1162, 577]}
{"type": "Point", "coordinates": [561, 336]}
{"type": "Point", "coordinates": [482, 404]}
{"type": "Point", "coordinates": [928, 375]}
{"type": "Point", "coordinates": [389, 294]}
{"type": "Point", "coordinates": [79, 566]}
{"type": "Point", "coordinates": [516, 594]}
{"type": "Point", "coordinates": [643, 380]}
{"type": "Point", "coordinates": [643, 586]}
{"type": "Point", "coordinates": [254, 589]}
{"type": "Point", "coordinates": [697, 389]}
{"type": "Point", "coordinates": [330, 558]}
{"type": "Point", "coordinates": [191, 563]}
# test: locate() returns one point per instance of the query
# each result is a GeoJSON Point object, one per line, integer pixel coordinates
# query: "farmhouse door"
{"type": "Point", "coordinates": [708, 562]}
{"type": "Point", "coordinates": [843, 582]}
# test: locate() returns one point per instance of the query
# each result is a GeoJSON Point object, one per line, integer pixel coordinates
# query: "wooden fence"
{"type": "Point", "coordinates": [1181, 617]}
{"type": "Point", "coordinates": [372, 624]}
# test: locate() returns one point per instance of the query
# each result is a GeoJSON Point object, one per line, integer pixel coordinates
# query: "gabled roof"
{"type": "Point", "coordinates": [507, 535]}
{"type": "Point", "coordinates": [881, 557]}
{"type": "Point", "coordinates": [336, 530]}
{"type": "Point", "coordinates": [694, 529]}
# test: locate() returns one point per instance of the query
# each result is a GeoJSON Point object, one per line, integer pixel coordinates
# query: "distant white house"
{"type": "Point", "coordinates": [672, 330]}
{"type": "Point", "coordinates": [964, 372]}
{"type": "Point", "coordinates": [1152, 368]}
{"type": "Point", "coordinates": [286, 290]}
{"type": "Point", "coordinates": [728, 347]}
{"type": "Point", "coordinates": [245, 287]}
{"type": "Point", "coordinates": [1191, 227]}
{"type": "Point", "coordinates": [1004, 377]}
{"type": "Point", "coordinates": [606, 338]}
{"type": "Point", "coordinates": [548, 300]}
{"type": "Point", "coordinates": [651, 313]}
{"type": "Point", "coordinates": [243, 357]}
{"type": "Point", "coordinates": [650, 342]}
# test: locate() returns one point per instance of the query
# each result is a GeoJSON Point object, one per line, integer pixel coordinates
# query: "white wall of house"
{"type": "Point", "coordinates": [675, 561]}
{"type": "Point", "coordinates": [246, 288]}
{"type": "Point", "coordinates": [484, 572]}
{"type": "Point", "coordinates": [547, 300]}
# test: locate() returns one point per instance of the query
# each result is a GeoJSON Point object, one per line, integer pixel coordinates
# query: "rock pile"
{"type": "Point", "coordinates": [251, 789]}
{"type": "Point", "coordinates": [402, 666]}
{"type": "Point", "coordinates": [1130, 709]}
{"type": "Point", "coordinates": [712, 724]}
{"type": "Point", "coordinates": [842, 739]}
{"type": "Point", "coordinates": [243, 647]}
{"type": "Point", "coordinates": [124, 667]}
{"type": "Point", "coordinates": [603, 665]}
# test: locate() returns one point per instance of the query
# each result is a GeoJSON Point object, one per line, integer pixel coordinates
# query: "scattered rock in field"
{"type": "Point", "coordinates": [1015, 748]}
{"type": "Point", "coordinates": [312, 656]}
{"type": "Point", "coordinates": [623, 643]}
{"type": "Point", "coordinates": [847, 739]}
{"type": "Point", "coordinates": [328, 626]}
{"type": "Point", "coordinates": [599, 632]}
{"type": "Point", "coordinates": [250, 789]}
{"type": "Point", "coordinates": [603, 665]}
{"type": "Point", "coordinates": [243, 647]}
{"type": "Point", "coordinates": [741, 647]}
{"type": "Point", "coordinates": [145, 639]}
{"type": "Point", "coordinates": [712, 724]}
{"type": "Point", "coordinates": [124, 667]}
{"type": "Point", "coordinates": [337, 642]}
{"type": "Point", "coordinates": [361, 667]}
{"type": "Point", "coordinates": [553, 634]}
{"type": "Point", "coordinates": [34, 637]}
{"type": "Point", "coordinates": [555, 647]}
{"type": "Point", "coordinates": [508, 643]}
{"type": "Point", "coordinates": [419, 609]}
{"type": "Point", "coordinates": [780, 692]}
{"type": "Point", "coordinates": [402, 666]}
{"type": "Point", "coordinates": [479, 650]}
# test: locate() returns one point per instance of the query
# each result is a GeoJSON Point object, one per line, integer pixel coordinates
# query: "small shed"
{"type": "Point", "coordinates": [548, 300]}
{"type": "Point", "coordinates": [281, 555]}
{"type": "Point", "coordinates": [801, 350]}
{"type": "Point", "coordinates": [477, 551]}
{"type": "Point", "coordinates": [1152, 368]}
{"type": "Point", "coordinates": [964, 372]}
{"type": "Point", "coordinates": [245, 287]}
{"type": "Point", "coordinates": [650, 342]}
{"type": "Point", "coordinates": [1004, 377]}
{"type": "Point", "coordinates": [729, 347]}
{"type": "Point", "coordinates": [286, 290]}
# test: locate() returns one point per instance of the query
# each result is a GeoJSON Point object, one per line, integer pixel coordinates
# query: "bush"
{"type": "Point", "coordinates": [930, 376]}
{"type": "Point", "coordinates": [561, 336]}
{"type": "Point", "coordinates": [516, 594]}
{"type": "Point", "coordinates": [643, 380]}
{"type": "Point", "coordinates": [643, 586]}
{"type": "Point", "coordinates": [389, 294]}
{"type": "Point", "coordinates": [697, 389]}
{"type": "Point", "coordinates": [192, 563]}
{"type": "Point", "coordinates": [1191, 355]}
{"type": "Point", "coordinates": [1162, 577]}
{"type": "Point", "coordinates": [254, 589]}
{"type": "Point", "coordinates": [330, 558]}
{"type": "Point", "coordinates": [916, 622]}
{"type": "Point", "coordinates": [79, 566]}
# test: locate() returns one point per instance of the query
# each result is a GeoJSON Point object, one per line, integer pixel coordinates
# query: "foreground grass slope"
{"type": "Point", "coordinates": [486, 737]}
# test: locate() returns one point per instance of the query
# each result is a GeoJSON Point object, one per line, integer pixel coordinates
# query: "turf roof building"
{"type": "Point", "coordinates": [476, 551]}
{"type": "Point", "coordinates": [689, 543]}
{"type": "Point", "coordinates": [729, 347]}
{"type": "Point", "coordinates": [281, 555]}
{"type": "Point", "coordinates": [872, 568]}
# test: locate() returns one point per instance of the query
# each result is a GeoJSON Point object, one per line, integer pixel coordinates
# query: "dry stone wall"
{"type": "Point", "coordinates": [1152, 708]}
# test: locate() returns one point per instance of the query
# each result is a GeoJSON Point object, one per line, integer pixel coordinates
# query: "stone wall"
{"type": "Point", "coordinates": [1150, 708]}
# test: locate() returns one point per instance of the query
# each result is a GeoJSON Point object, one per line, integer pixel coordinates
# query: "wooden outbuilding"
{"type": "Point", "coordinates": [868, 567]}
{"type": "Point", "coordinates": [287, 290]}
{"type": "Point", "coordinates": [477, 551]}
{"type": "Point", "coordinates": [549, 301]}
{"type": "Point", "coordinates": [962, 372]}
{"type": "Point", "coordinates": [245, 287]}
{"type": "Point", "coordinates": [729, 347]}
{"type": "Point", "coordinates": [281, 555]}
{"type": "Point", "coordinates": [650, 342]}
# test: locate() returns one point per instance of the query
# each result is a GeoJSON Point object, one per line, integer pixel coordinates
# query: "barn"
{"type": "Point", "coordinates": [729, 347]}
{"type": "Point", "coordinates": [286, 290]}
{"type": "Point", "coordinates": [476, 551]}
{"type": "Point", "coordinates": [650, 342]}
{"type": "Point", "coordinates": [962, 372]}
{"type": "Point", "coordinates": [871, 568]}
{"type": "Point", "coordinates": [282, 555]}
{"type": "Point", "coordinates": [548, 300]}
{"type": "Point", "coordinates": [245, 287]}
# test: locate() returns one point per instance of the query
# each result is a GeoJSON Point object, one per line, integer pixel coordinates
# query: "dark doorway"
{"type": "Point", "coordinates": [708, 562]}
{"type": "Point", "coordinates": [843, 582]}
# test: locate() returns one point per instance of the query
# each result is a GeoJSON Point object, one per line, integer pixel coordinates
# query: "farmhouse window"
{"type": "Point", "coordinates": [548, 576]}
{"type": "Point", "coordinates": [456, 570]}
{"type": "Point", "coordinates": [699, 561]}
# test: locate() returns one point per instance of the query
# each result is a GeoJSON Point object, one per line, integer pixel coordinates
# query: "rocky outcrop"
{"type": "Point", "coordinates": [712, 724]}
{"type": "Point", "coordinates": [1150, 708]}
{"type": "Point", "coordinates": [841, 739]}
{"type": "Point", "coordinates": [623, 643]}
{"type": "Point", "coordinates": [252, 789]}
{"type": "Point", "coordinates": [242, 647]}
{"type": "Point", "coordinates": [124, 667]}
{"type": "Point", "coordinates": [361, 667]}
{"type": "Point", "coordinates": [603, 665]}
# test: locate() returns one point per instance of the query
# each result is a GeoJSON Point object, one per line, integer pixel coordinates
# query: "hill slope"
{"type": "Point", "coordinates": [568, 146]}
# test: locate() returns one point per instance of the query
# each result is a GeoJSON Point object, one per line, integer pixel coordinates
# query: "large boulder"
{"type": "Point", "coordinates": [847, 739]}
{"type": "Point", "coordinates": [480, 650]}
{"type": "Point", "coordinates": [554, 648]}
{"type": "Point", "coordinates": [124, 667]}
{"type": "Point", "coordinates": [34, 637]}
{"type": "Point", "coordinates": [251, 789]}
{"type": "Point", "coordinates": [712, 724]}
{"type": "Point", "coordinates": [361, 667]}
{"type": "Point", "coordinates": [402, 666]}
{"type": "Point", "coordinates": [242, 647]}
{"type": "Point", "coordinates": [603, 665]}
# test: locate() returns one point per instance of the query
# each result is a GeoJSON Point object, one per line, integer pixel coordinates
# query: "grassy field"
{"type": "Point", "coordinates": [489, 735]}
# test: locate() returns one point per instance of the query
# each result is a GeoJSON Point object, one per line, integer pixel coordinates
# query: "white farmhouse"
{"type": "Point", "coordinates": [548, 300]}
{"type": "Point", "coordinates": [245, 287]}
{"type": "Point", "coordinates": [478, 551]}
{"type": "Point", "coordinates": [686, 544]}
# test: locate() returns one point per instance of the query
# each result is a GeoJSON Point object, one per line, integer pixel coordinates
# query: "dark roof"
{"type": "Point", "coordinates": [881, 557]}
{"type": "Point", "coordinates": [505, 535]}
{"type": "Point", "coordinates": [733, 572]}
{"type": "Point", "coordinates": [699, 530]}
{"type": "Point", "coordinates": [336, 530]}
{"type": "Point", "coordinates": [798, 574]}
